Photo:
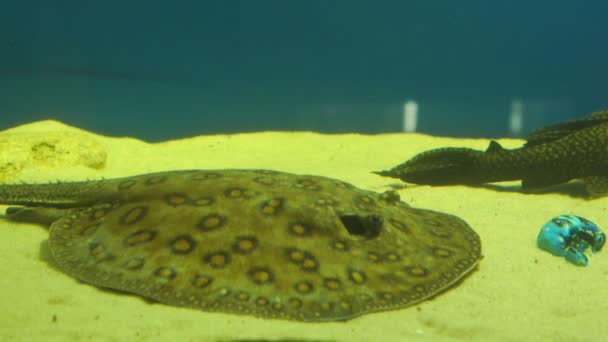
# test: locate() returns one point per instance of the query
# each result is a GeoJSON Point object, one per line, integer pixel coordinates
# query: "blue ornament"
{"type": "Point", "coordinates": [569, 236]}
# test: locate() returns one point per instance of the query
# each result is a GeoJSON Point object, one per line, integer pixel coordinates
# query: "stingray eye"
{"type": "Point", "coordinates": [366, 227]}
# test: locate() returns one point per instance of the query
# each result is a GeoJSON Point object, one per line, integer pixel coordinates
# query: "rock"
{"type": "Point", "coordinates": [21, 150]}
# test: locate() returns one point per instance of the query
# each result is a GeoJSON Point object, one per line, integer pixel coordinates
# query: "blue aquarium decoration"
{"type": "Point", "coordinates": [569, 236]}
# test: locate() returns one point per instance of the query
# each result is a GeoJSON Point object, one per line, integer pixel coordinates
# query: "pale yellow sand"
{"type": "Point", "coordinates": [518, 293]}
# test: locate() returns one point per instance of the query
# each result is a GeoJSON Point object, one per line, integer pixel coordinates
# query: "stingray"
{"type": "Point", "coordinates": [256, 242]}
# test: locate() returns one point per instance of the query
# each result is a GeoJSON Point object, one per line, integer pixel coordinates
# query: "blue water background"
{"type": "Point", "coordinates": [170, 69]}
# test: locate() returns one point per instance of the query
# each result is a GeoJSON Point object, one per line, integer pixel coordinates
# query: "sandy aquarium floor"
{"type": "Point", "coordinates": [517, 293]}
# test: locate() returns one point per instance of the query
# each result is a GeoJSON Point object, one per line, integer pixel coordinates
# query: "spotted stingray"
{"type": "Point", "coordinates": [257, 242]}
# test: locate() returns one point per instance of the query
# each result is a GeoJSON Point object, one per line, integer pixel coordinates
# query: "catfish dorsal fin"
{"type": "Point", "coordinates": [494, 147]}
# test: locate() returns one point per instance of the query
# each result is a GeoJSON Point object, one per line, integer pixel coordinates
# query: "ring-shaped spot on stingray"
{"type": "Point", "coordinates": [464, 264]}
{"type": "Point", "coordinates": [261, 301]}
{"type": "Point", "coordinates": [134, 215]}
{"type": "Point", "coordinates": [211, 222]}
{"type": "Point", "coordinates": [356, 276]}
{"type": "Point", "coordinates": [260, 275]}
{"type": "Point", "coordinates": [156, 180]}
{"type": "Point", "coordinates": [217, 259]}
{"type": "Point", "coordinates": [346, 306]}
{"type": "Point", "coordinates": [165, 272]}
{"type": "Point", "coordinates": [201, 281]}
{"type": "Point", "coordinates": [140, 236]}
{"type": "Point", "coordinates": [203, 201]}
{"type": "Point", "coordinates": [96, 249]}
{"type": "Point", "coordinates": [326, 202]}
{"type": "Point", "coordinates": [272, 206]}
{"type": "Point", "coordinates": [134, 263]}
{"type": "Point", "coordinates": [307, 184]}
{"type": "Point", "coordinates": [340, 245]}
{"type": "Point", "coordinates": [126, 184]}
{"type": "Point", "coordinates": [105, 257]}
{"type": "Point", "coordinates": [244, 244]}
{"type": "Point", "coordinates": [420, 288]}
{"type": "Point", "coordinates": [234, 192]}
{"type": "Point", "coordinates": [99, 213]}
{"type": "Point", "coordinates": [242, 296]}
{"type": "Point", "coordinates": [182, 244]}
{"type": "Point", "coordinates": [441, 252]}
{"type": "Point", "coordinates": [89, 229]}
{"type": "Point", "coordinates": [299, 229]}
{"type": "Point", "coordinates": [417, 271]}
{"type": "Point", "coordinates": [294, 255]}
{"type": "Point", "coordinates": [223, 291]}
{"type": "Point", "coordinates": [391, 257]}
{"type": "Point", "coordinates": [332, 284]}
{"type": "Point", "coordinates": [309, 263]}
{"type": "Point", "coordinates": [295, 303]}
{"type": "Point", "coordinates": [432, 287]}
{"type": "Point", "coordinates": [364, 298]}
{"type": "Point", "coordinates": [327, 306]}
{"type": "Point", "coordinates": [239, 193]}
{"type": "Point", "coordinates": [365, 201]}
{"type": "Point", "coordinates": [447, 276]}
{"type": "Point", "coordinates": [385, 296]}
{"type": "Point", "coordinates": [265, 180]}
{"type": "Point", "coordinates": [441, 232]}
{"type": "Point", "coordinates": [374, 257]}
{"type": "Point", "coordinates": [432, 222]}
{"type": "Point", "coordinates": [399, 225]}
{"type": "Point", "coordinates": [303, 287]}
{"type": "Point", "coordinates": [175, 199]}
{"type": "Point", "coordinates": [205, 175]}
{"type": "Point", "coordinates": [409, 296]}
